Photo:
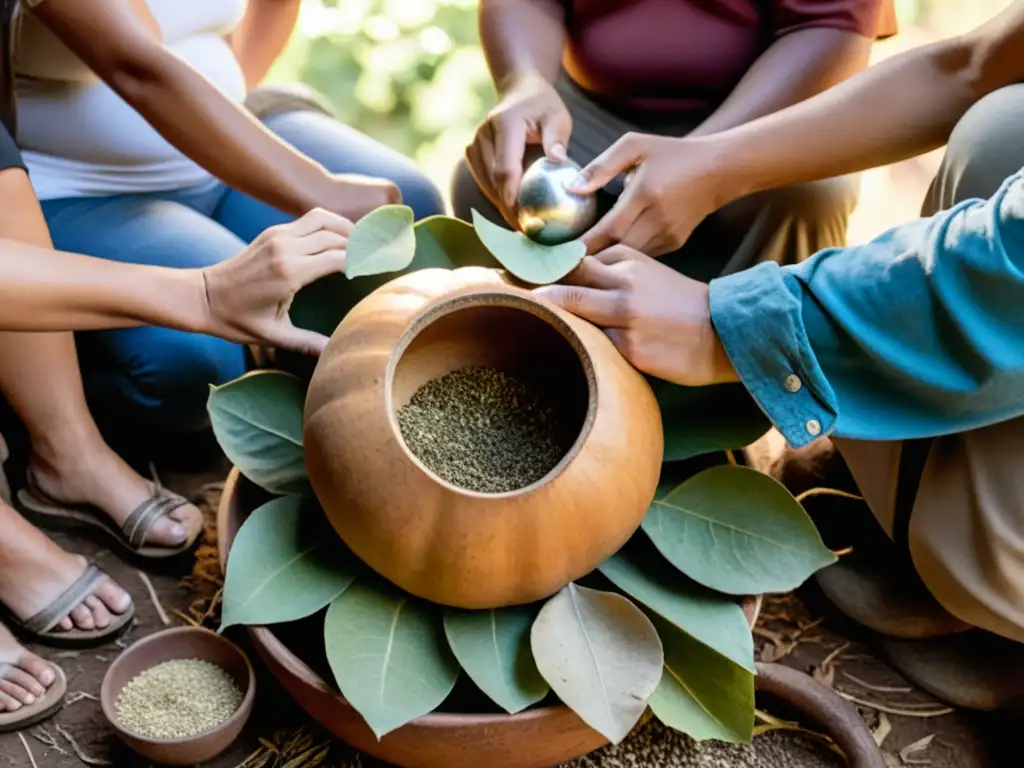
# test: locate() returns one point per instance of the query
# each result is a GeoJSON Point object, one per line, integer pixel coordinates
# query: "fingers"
{"type": "Point", "coordinates": [621, 156]}
{"type": "Point", "coordinates": [314, 221]}
{"type": "Point", "coordinates": [318, 242]}
{"type": "Point", "coordinates": [509, 148]}
{"type": "Point", "coordinates": [307, 269]}
{"type": "Point", "coordinates": [615, 224]}
{"type": "Point", "coordinates": [554, 136]}
{"type": "Point", "coordinates": [592, 273]}
{"type": "Point", "coordinates": [601, 307]}
{"type": "Point", "coordinates": [287, 336]}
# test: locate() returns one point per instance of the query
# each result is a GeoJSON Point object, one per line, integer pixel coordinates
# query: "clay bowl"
{"type": "Point", "coordinates": [537, 738]}
{"type": "Point", "coordinates": [171, 644]}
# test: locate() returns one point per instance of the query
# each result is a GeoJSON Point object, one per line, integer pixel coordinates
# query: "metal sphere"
{"type": "Point", "coordinates": [548, 214]}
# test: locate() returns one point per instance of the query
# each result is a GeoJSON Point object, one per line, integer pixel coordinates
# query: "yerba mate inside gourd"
{"type": "Point", "coordinates": [490, 398]}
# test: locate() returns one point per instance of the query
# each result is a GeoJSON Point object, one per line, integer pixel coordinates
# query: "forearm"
{"type": "Point", "coordinates": [262, 35]}
{"type": "Point", "coordinates": [118, 42]}
{"type": "Point", "coordinates": [916, 334]}
{"type": "Point", "coordinates": [796, 67]}
{"type": "Point", "coordinates": [46, 290]}
{"type": "Point", "coordinates": [522, 38]}
{"type": "Point", "coordinates": [900, 108]}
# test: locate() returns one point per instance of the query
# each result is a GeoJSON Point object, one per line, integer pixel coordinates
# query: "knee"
{"type": "Point", "coordinates": [818, 202]}
{"type": "Point", "coordinates": [985, 148]}
{"type": "Point", "coordinates": [172, 380]}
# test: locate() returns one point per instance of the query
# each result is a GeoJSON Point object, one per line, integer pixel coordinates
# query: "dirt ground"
{"type": "Point", "coordinates": [279, 736]}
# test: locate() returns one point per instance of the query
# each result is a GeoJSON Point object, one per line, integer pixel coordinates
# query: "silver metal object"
{"type": "Point", "coordinates": [548, 214]}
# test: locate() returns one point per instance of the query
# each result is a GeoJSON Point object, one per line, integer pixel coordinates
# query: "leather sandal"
{"type": "Point", "coordinates": [44, 707]}
{"type": "Point", "coordinates": [47, 512]}
{"type": "Point", "coordinates": [43, 627]}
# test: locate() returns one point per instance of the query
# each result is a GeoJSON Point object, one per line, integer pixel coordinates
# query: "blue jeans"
{"type": "Point", "coordinates": [157, 377]}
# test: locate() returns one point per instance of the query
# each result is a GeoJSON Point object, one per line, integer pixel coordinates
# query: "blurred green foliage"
{"type": "Point", "coordinates": [407, 72]}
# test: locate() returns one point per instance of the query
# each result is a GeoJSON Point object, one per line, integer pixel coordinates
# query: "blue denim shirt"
{"type": "Point", "coordinates": [919, 333]}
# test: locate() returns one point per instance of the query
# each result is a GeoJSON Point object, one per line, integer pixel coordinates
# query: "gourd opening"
{"type": "Point", "coordinates": [491, 393]}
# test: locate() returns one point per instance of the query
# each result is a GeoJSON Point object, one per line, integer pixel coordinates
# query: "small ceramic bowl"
{"type": "Point", "coordinates": [169, 645]}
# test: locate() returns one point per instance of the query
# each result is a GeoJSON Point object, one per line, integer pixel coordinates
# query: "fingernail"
{"type": "Point", "coordinates": [177, 531]}
{"type": "Point", "coordinates": [578, 181]}
{"type": "Point", "coordinates": [558, 151]}
{"type": "Point", "coordinates": [30, 699]}
{"type": "Point", "coordinates": [47, 677]}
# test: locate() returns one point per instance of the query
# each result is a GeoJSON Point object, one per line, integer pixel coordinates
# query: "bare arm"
{"type": "Point", "coordinates": [522, 39]}
{"type": "Point", "coordinates": [795, 67]}
{"type": "Point", "coordinates": [900, 108]}
{"type": "Point", "coordinates": [118, 40]}
{"type": "Point", "coordinates": [262, 36]}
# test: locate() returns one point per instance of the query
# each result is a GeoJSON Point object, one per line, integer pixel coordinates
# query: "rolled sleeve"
{"type": "Point", "coordinates": [758, 318]}
{"type": "Point", "coordinates": [870, 18]}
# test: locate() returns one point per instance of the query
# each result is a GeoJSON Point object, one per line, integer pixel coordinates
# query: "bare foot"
{"type": "Point", "coordinates": [24, 677]}
{"type": "Point", "coordinates": [34, 572]}
{"type": "Point", "coordinates": [89, 472]}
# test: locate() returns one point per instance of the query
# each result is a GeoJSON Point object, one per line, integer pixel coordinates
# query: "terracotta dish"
{"type": "Point", "coordinates": [171, 644]}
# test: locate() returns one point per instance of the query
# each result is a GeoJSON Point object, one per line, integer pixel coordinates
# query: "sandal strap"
{"type": "Point", "coordinates": [139, 523]}
{"type": "Point", "coordinates": [50, 616]}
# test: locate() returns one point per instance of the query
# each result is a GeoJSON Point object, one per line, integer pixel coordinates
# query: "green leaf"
{"type": "Point", "coordinates": [388, 653]}
{"type": "Point", "coordinates": [701, 693]}
{"type": "Point", "coordinates": [382, 241]}
{"type": "Point", "coordinates": [600, 654]}
{"type": "Point", "coordinates": [736, 531]}
{"type": "Point", "coordinates": [441, 242]}
{"type": "Point", "coordinates": [257, 420]}
{"type": "Point", "coordinates": [286, 563]}
{"type": "Point", "coordinates": [493, 646]}
{"type": "Point", "coordinates": [529, 261]}
{"type": "Point", "coordinates": [444, 242]}
{"type": "Point", "coordinates": [699, 420]}
{"type": "Point", "coordinates": [713, 619]}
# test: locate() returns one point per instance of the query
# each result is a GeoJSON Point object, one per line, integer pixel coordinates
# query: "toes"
{"type": "Point", "coordinates": [67, 624]}
{"type": "Point", "coordinates": [16, 692]}
{"type": "Point", "coordinates": [167, 532]}
{"type": "Point", "coordinates": [113, 597]}
{"type": "Point", "coordinates": [39, 669]}
{"type": "Point", "coordinates": [100, 614]}
{"type": "Point", "coordinates": [8, 704]}
{"type": "Point", "coordinates": [22, 678]}
{"type": "Point", "coordinates": [81, 617]}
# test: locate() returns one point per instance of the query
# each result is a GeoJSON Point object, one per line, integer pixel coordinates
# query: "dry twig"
{"type": "Point", "coordinates": [812, 492]}
{"type": "Point", "coordinates": [906, 710]}
{"type": "Point", "coordinates": [28, 750]}
{"type": "Point", "coordinates": [164, 618]}
{"type": "Point", "coordinates": [77, 696]}
{"type": "Point", "coordinates": [78, 750]}
{"type": "Point", "coordinates": [883, 729]}
{"type": "Point", "coordinates": [877, 688]}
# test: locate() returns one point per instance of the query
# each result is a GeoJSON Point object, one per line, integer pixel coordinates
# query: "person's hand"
{"type": "Point", "coordinates": [530, 112]}
{"type": "Point", "coordinates": [670, 188]}
{"type": "Point", "coordinates": [355, 196]}
{"type": "Point", "coordinates": [248, 295]}
{"type": "Point", "coordinates": [657, 318]}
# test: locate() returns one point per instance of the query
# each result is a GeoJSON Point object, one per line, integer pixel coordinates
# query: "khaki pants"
{"type": "Point", "coordinates": [957, 502]}
{"type": "Point", "coordinates": [783, 225]}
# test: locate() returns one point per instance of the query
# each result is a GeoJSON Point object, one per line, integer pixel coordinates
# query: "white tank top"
{"type": "Point", "coordinates": [79, 138]}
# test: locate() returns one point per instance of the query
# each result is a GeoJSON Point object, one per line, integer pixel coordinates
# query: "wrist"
{"type": "Point", "coordinates": [728, 176]}
{"type": "Point", "coordinates": [526, 79]}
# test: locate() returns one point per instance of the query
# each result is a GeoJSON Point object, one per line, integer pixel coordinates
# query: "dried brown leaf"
{"type": "Point", "coordinates": [883, 729]}
{"type": "Point", "coordinates": [912, 749]}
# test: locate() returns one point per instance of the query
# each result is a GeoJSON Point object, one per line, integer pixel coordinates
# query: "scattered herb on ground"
{"type": "Point", "coordinates": [178, 699]}
{"type": "Point", "coordinates": [483, 430]}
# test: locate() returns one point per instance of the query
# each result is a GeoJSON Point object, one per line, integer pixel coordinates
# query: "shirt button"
{"type": "Point", "coordinates": [793, 383]}
{"type": "Point", "coordinates": [813, 427]}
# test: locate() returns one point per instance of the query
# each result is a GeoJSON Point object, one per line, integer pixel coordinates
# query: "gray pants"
{"type": "Point", "coordinates": [782, 225]}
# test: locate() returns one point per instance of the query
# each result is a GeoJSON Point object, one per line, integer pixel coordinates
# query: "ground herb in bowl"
{"type": "Point", "coordinates": [483, 430]}
{"type": "Point", "coordinates": [178, 699]}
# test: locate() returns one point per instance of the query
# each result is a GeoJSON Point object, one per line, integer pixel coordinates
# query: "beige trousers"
{"type": "Point", "coordinates": [957, 502]}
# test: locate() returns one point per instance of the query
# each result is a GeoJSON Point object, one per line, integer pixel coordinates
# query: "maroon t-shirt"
{"type": "Point", "coordinates": [688, 55]}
